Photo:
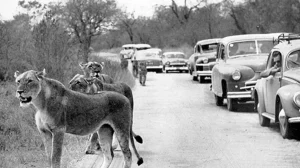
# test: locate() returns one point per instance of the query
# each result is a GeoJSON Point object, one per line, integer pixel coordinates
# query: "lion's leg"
{"type": "Point", "coordinates": [57, 143]}
{"type": "Point", "coordinates": [93, 142]}
{"type": "Point", "coordinates": [47, 139]}
{"type": "Point", "coordinates": [105, 139]}
{"type": "Point", "coordinates": [123, 138]}
{"type": "Point", "coordinates": [114, 142]}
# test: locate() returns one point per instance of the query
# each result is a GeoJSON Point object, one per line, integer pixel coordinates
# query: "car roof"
{"type": "Point", "coordinates": [208, 41]}
{"type": "Point", "coordinates": [286, 46]}
{"type": "Point", "coordinates": [141, 45]}
{"type": "Point", "coordinates": [230, 39]}
{"type": "Point", "coordinates": [173, 52]}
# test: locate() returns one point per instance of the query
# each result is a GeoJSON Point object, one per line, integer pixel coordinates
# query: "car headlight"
{"type": "Point", "coordinates": [205, 60]}
{"type": "Point", "coordinates": [236, 75]}
{"type": "Point", "coordinates": [296, 99]}
{"type": "Point", "coordinates": [167, 63]}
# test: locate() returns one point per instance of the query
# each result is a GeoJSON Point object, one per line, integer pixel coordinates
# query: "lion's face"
{"type": "Point", "coordinates": [81, 84]}
{"type": "Point", "coordinates": [93, 69]}
{"type": "Point", "coordinates": [28, 86]}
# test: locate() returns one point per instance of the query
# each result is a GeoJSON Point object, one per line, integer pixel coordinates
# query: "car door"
{"type": "Point", "coordinates": [216, 76]}
{"type": "Point", "coordinates": [272, 85]}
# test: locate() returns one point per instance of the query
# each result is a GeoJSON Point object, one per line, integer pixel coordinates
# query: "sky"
{"type": "Point", "coordinates": [9, 8]}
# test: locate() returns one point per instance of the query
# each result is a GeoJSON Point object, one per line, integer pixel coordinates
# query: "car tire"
{"type": "Point", "coordinates": [232, 104]}
{"type": "Point", "coordinates": [285, 126]}
{"type": "Point", "coordinates": [219, 100]}
{"type": "Point", "coordinates": [167, 71]}
{"type": "Point", "coordinates": [195, 78]}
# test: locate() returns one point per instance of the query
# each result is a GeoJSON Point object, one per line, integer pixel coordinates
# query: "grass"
{"type": "Point", "coordinates": [20, 143]}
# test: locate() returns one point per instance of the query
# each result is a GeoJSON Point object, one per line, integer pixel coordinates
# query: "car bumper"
{"type": "Point", "coordinates": [176, 68]}
{"type": "Point", "coordinates": [150, 67]}
{"type": "Point", "coordinates": [204, 73]}
{"type": "Point", "coordinates": [244, 92]}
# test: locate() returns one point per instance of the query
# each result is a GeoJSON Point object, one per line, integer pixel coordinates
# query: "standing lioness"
{"type": "Point", "coordinates": [60, 110]}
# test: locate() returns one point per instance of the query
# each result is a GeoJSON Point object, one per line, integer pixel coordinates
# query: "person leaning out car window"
{"type": "Point", "coordinates": [276, 65]}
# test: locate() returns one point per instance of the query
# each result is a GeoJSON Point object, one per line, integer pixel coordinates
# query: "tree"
{"type": "Point", "coordinates": [89, 18]}
{"type": "Point", "coordinates": [183, 13]}
{"type": "Point", "coordinates": [126, 24]}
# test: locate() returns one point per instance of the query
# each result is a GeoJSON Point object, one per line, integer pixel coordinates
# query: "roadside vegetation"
{"type": "Point", "coordinates": [57, 37]}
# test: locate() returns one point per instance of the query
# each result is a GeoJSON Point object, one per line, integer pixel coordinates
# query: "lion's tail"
{"type": "Point", "coordinates": [140, 159]}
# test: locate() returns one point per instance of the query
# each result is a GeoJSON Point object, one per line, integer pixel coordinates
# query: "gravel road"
{"type": "Point", "coordinates": [182, 127]}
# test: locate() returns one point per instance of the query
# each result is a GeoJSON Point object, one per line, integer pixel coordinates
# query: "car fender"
{"type": "Point", "coordinates": [223, 72]}
{"type": "Point", "coordinates": [286, 95]}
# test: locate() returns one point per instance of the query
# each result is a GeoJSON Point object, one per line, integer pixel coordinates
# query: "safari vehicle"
{"type": "Point", "coordinates": [240, 59]}
{"type": "Point", "coordinates": [127, 51]}
{"type": "Point", "coordinates": [175, 61]}
{"type": "Point", "coordinates": [203, 59]}
{"type": "Point", "coordinates": [152, 57]}
{"type": "Point", "coordinates": [277, 93]}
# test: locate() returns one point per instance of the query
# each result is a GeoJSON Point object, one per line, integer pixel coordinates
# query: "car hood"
{"type": "Point", "coordinates": [256, 63]}
{"type": "Point", "coordinates": [293, 74]}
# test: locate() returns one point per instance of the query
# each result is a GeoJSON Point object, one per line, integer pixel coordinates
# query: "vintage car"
{"type": "Point", "coordinates": [277, 93]}
{"type": "Point", "coordinates": [127, 51]}
{"type": "Point", "coordinates": [175, 61]}
{"type": "Point", "coordinates": [240, 59]}
{"type": "Point", "coordinates": [152, 57]}
{"type": "Point", "coordinates": [203, 59]}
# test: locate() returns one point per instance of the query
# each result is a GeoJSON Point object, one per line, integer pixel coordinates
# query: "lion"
{"type": "Point", "coordinates": [94, 70]}
{"type": "Point", "coordinates": [94, 85]}
{"type": "Point", "coordinates": [60, 110]}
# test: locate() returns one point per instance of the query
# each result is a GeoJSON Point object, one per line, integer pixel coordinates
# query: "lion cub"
{"type": "Point", "coordinates": [94, 85]}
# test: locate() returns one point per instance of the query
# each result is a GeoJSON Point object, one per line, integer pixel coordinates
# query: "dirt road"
{"type": "Point", "coordinates": [182, 127]}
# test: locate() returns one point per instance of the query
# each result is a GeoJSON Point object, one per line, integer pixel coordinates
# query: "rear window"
{"type": "Point", "coordinates": [208, 48]}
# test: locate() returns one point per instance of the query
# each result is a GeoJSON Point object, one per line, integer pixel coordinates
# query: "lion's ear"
{"type": "Point", "coordinates": [41, 74]}
{"type": "Point", "coordinates": [82, 65]}
{"type": "Point", "coordinates": [17, 73]}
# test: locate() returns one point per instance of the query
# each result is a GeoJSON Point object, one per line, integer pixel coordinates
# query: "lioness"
{"type": "Point", "coordinates": [60, 110]}
{"type": "Point", "coordinates": [94, 70]}
{"type": "Point", "coordinates": [92, 86]}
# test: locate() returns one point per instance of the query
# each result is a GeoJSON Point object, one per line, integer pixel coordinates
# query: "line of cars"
{"type": "Point", "coordinates": [155, 59]}
{"type": "Point", "coordinates": [263, 69]}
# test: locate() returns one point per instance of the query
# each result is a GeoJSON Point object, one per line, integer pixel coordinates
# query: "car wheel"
{"type": "Point", "coordinates": [167, 71]}
{"type": "Point", "coordinates": [195, 78]}
{"type": "Point", "coordinates": [232, 104]}
{"type": "Point", "coordinates": [219, 100]}
{"type": "Point", "coordinates": [201, 79]}
{"type": "Point", "coordinates": [263, 121]}
{"type": "Point", "coordinates": [285, 126]}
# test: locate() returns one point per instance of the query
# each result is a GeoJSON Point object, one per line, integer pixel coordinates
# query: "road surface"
{"type": "Point", "coordinates": [183, 128]}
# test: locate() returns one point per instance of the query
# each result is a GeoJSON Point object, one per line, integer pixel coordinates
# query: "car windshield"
{"type": "Point", "coordinates": [175, 56]}
{"type": "Point", "coordinates": [293, 60]}
{"type": "Point", "coordinates": [249, 48]}
{"type": "Point", "coordinates": [142, 48]}
{"type": "Point", "coordinates": [208, 48]}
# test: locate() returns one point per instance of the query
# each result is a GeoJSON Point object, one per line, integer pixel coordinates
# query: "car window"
{"type": "Point", "coordinates": [293, 60]}
{"type": "Point", "coordinates": [208, 48]}
{"type": "Point", "coordinates": [241, 48]}
{"type": "Point", "coordinates": [265, 46]}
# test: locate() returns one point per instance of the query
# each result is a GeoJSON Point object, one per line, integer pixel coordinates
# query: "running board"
{"type": "Point", "coordinates": [270, 116]}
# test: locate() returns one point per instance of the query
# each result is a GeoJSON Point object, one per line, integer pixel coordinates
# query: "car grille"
{"type": "Point", "coordinates": [203, 68]}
